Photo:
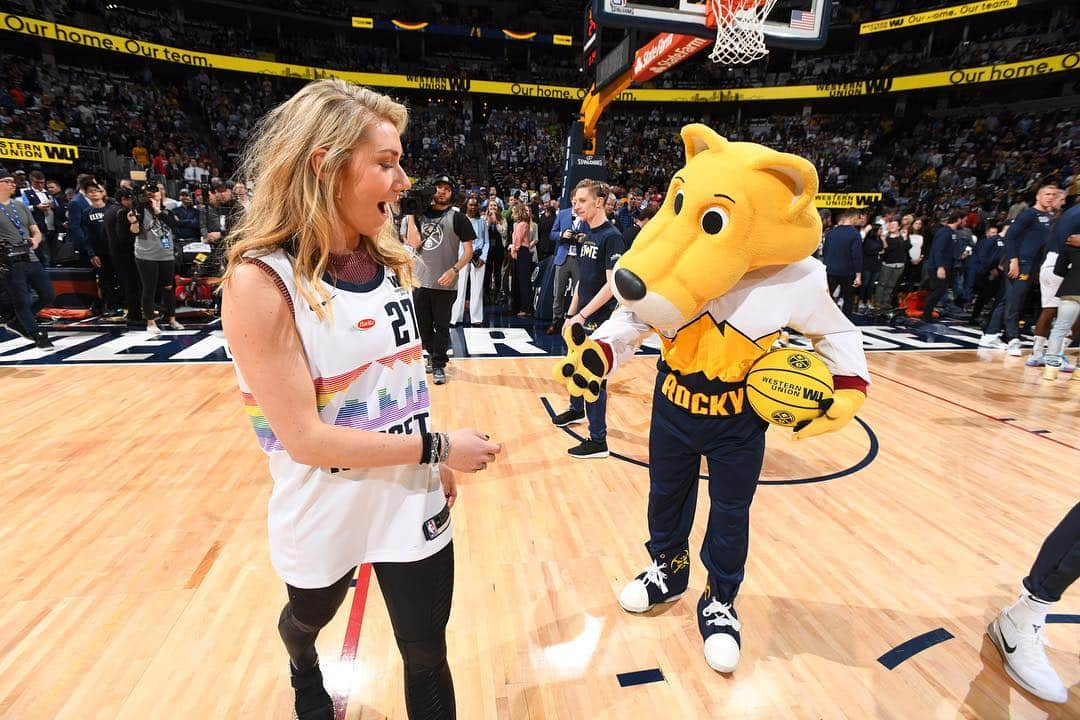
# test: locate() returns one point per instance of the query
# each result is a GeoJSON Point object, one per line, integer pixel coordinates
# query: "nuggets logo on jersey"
{"type": "Point", "coordinates": [432, 232]}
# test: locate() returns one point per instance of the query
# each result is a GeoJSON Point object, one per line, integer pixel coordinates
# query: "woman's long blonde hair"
{"type": "Point", "coordinates": [294, 207]}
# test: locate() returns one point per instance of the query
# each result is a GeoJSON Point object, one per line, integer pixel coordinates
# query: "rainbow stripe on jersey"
{"type": "Point", "coordinates": [267, 439]}
{"type": "Point", "coordinates": [353, 413]}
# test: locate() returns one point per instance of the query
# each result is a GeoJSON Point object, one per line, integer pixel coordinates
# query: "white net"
{"type": "Point", "coordinates": [740, 37]}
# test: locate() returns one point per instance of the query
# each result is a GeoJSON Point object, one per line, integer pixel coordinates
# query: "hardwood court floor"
{"type": "Point", "coordinates": [136, 580]}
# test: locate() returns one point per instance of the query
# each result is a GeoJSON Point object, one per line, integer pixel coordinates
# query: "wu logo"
{"type": "Point", "coordinates": [60, 153]}
{"type": "Point", "coordinates": [459, 84]}
{"type": "Point", "coordinates": [878, 85]}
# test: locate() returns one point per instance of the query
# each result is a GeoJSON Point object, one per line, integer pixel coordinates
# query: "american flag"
{"type": "Point", "coordinates": [802, 20]}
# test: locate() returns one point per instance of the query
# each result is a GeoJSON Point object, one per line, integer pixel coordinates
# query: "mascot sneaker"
{"type": "Point", "coordinates": [1022, 650]}
{"type": "Point", "coordinates": [719, 625]}
{"type": "Point", "coordinates": [662, 582]}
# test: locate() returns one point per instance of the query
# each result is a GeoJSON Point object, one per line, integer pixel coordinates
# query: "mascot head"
{"type": "Point", "coordinates": [734, 207]}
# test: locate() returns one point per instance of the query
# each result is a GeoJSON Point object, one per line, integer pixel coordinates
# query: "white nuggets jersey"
{"type": "Point", "coordinates": [368, 371]}
{"type": "Point", "coordinates": [734, 330]}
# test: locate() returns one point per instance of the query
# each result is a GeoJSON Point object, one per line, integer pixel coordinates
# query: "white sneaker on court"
{"type": "Point", "coordinates": [719, 624]}
{"type": "Point", "coordinates": [1013, 348]}
{"type": "Point", "coordinates": [664, 581]}
{"type": "Point", "coordinates": [991, 341]}
{"type": "Point", "coordinates": [1022, 649]}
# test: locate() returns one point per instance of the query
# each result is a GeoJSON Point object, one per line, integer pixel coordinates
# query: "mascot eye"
{"type": "Point", "coordinates": [714, 220]}
{"type": "Point", "coordinates": [678, 202]}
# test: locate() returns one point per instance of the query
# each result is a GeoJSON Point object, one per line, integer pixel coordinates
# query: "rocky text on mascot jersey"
{"type": "Point", "coordinates": [729, 402]}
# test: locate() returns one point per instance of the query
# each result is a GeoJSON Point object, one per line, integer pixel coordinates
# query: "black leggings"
{"type": "Point", "coordinates": [417, 596]}
{"type": "Point", "coordinates": [157, 275]}
{"type": "Point", "coordinates": [1058, 564]}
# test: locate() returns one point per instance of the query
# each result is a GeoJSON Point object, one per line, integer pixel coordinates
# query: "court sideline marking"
{"type": "Point", "coordinates": [1004, 421]}
{"type": "Point", "coordinates": [352, 640]}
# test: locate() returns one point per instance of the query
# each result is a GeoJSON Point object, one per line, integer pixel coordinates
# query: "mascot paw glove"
{"type": "Point", "coordinates": [586, 364]}
{"type": "Point", "coordinates": [839, 410]}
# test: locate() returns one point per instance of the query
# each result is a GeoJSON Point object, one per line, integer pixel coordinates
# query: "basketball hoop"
{"type": "Point", "coordinates": [740, 38]}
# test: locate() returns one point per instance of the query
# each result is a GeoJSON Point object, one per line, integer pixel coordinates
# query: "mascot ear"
{"type": "Point", "coordinates": [699, 138]}
{"type": "Point", "coordinates": [797, 175]}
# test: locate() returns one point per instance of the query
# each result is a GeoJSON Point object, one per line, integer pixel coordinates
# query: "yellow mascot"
{"type": "Point", "coordinates": [720, 270]}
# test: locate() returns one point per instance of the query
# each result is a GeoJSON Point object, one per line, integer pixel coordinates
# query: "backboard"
{"type": "Point", "coordinates": [800, 24]}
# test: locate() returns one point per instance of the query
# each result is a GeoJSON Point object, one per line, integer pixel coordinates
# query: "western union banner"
{"type": "Point", "coordinates": [940, 15]}
{"type": "Point", "coordinates": [33, 151]}
{"type": "Point", "coordinates": [114, 43]}
{"type": "Point", "coordinates": [1024, 70]}
{"type": "Point", "coordinates": [846, 200]}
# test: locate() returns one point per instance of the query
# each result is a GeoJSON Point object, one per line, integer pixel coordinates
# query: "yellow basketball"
{"type": "Point", "coordinates": [786, 386]}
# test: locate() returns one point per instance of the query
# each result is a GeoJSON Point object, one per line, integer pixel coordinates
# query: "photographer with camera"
{"type": "Point", "coordinates": [443, 239]}
{"type": "Point", "coordinates": [20, 268]}
{"type": "Point", "coordinates": [154, 258]}
{"type": "Point", "coordinates": [568, 233]}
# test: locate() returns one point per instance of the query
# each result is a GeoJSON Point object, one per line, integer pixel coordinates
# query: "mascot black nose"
{"type": "Point", "coordinates": [629, 284]}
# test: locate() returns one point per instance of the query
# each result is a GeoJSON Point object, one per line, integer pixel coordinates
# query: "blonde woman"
{"type": "Point", "coordinates": [320, 323]}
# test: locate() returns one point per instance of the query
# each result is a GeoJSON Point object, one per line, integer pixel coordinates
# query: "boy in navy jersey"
{"type": "Point", "coordinates": [592, 303]}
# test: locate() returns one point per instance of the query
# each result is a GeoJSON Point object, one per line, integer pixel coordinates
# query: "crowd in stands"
{"type": "Point", "coordinates": [978, 172]}
{"type": "Point", "coordinates": [924, 166]}
{"type": "Point", "coordinates": [643, 146]}
{"type": "Point", "coordinates": [980, 160]}
{"type": "Point", "coordinates": [89, 107]}
{"type": "Point", "coordinates": [169, 126]}
{"type": "Point", "coordinates": [524, 147]}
